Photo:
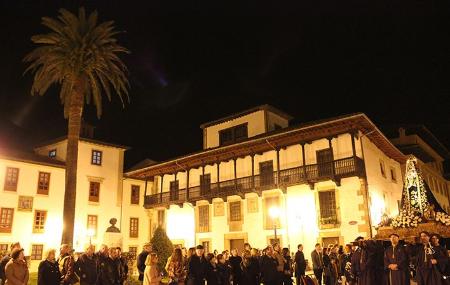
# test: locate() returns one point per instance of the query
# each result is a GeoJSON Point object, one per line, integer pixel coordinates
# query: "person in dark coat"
{"type": "Point", "coordinates": [300, 265]}
{"type": "Point", "coordinates": [48, 270]}
{"type": "Point", "coordinates": [211, 275]}
{"type": "Point", "coordinates": [250, 269]}
{"type": "Point", "coordinates": [327, 268]}
{"type": "Point", "coordinates": [5, 260]}
{"type": "Point", "coordinates": [364, 262]}
{"type": "Point", "coordinates": [269, 263]}
{"type": "Point", "coordinates": [196, 267]}
{"type": "Point", "coordinates": [141, 260]}
{"type": "Point", "coordinates": [395, 263]}
{"type": "Point", "coordinates": [223, 270]}
{"type": "Point", "coordinates": [427, 272]}
{"type": "Point", "coordinates": [317, 261]}
{"type": "Point", "coordinates": [122, 263]}
{"type": "Point", "coordinates": [441, 255]}
{"type": "Point", "coordinates": [108, 271]}
{"type": "Point", "coordinates": [86, 267]}
{"type": "Point", "coordinates": [287, 267]}
{"type": "Point", "coordinates": [235, 264]}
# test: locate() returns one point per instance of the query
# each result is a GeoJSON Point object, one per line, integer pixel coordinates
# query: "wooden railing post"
{"type": "Point", "coordinates": [278, 167]}
{"type": "Point", "coordinates": [253, 170]}
{"type": "Point", "coordinates": [304, 161]}
{"type": "Point", "coordinates": [218, 175]}
{"type": "Point", "coordinates": [187, 184]}
{"type": "Point", "coordinates": [161, 190]}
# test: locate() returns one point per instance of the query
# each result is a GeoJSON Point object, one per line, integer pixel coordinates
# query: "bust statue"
{"type": "Point", "coordinates": [113, 228]}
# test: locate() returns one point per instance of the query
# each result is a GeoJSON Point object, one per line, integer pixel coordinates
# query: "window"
{"type": "Point", "coordinates": [36, 251]}
{"type": "Point", "coordinates": [161, 218]}
{"type": "Point", "coordinates": [132, 252]}
{"type": "Point", "coordinates": [271, 202]}
{"type": "Point", "coordinates": [4, 248]}
{"type": "Point", "coordinates": [11, 178]}
{"type": "Point", "coordinates": [92, 221]}
{"type": "Point", "coordinates": [203, 218]}
{"type": "Point", "coordinates": [96, 157]}
{"type": "Point", "coordinates": [327, 202]}
{"type": "Point", "coordinates": [25, 203]}
{"type": "Point", "coordinates": [135, 189]}
{"type": "Point", "coordinates": [235, 211]}
{"type": "Point", "coordinates": [39, 221]}
{"type": "Point", "coordinates": [393, 175]}
{"type": "Point", "coordinates": [134, 227]}
{"type": "Point", "coordinates": [6, 220]}
{"type": "Point", "coordinates": [382, 168]}
{"type": "Point", "coordinates": [52, 153]}
{"type": "Point", "coordinates": [266, 173]}
{"type": "Point", "coordinates": [43, 183]}
{"type": "Point", "coordinates": [94, 191]}
{"type": "Point", "coordinates": [233, 134]}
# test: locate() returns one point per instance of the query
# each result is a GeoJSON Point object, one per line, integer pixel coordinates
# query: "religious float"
{"type": "Point", "coordinates": [419, 210]}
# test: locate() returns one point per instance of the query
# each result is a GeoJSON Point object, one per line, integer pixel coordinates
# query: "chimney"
{"type": "Point", "coordinates": [401, 132]}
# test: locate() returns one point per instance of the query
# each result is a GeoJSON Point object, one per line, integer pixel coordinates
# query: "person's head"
{"type": "Point", "coordinates": [300, 247]}
{"type": "Point", "coordinates": [147, 247]}
{"type": "Point", "coordinates": [285, 251]}
{"type": "Point", "coordinates": [64, 249]}
{"type": "Point", "coordinates": [119, 251]}
{"type": "Point", "coordinates": [226, 254]}
{"type": "Point", "coordinates": [90, 250]}
{"type": "Point", "coordinates": [318, 247]}
{"type": "Point", "coordinates": [234, 252]}
{"type": "Point", "coordinates": [348, 248]}
{"type": "Point", "coordinates": [424, 237]}
{"type": "Point", "coordinates": [220, 258]}
{"type": "Point", "coordinates": [247, 246]}
{"type": "Point", "coordinates": [15, 245]}
{"type": "Point", "coordinates": [394, 239]}
{"type": "Point", "coordinates": [435, 239]}
{"type": "Point", "coordinates": [276, 247]}
{"type": "Point", "coordinates": [191, 252]}
{"type": "Point", "coordinates": [176, 255]}
{"type": "Point", "coordinates": [50, 254]}
{"type": "Point", "coordinates": [359, 240]}
{"type": "Point", "coordinates": [199, 250]}
{"type": "Point", "coordinates": [341, 250]}
{"type": "Point", "coordinates": [184, 251]}
{"type": "Point", "coordinates": [103, 250]}
{"type": "Point", "coordinates": [325, 251]}
{"type": "Point", "coordinates": [211, 258]}
{"type": "Point", "coordinates": [254, 252]}
{"type": "Point", "coordinates": [152, 259]}
{"type": "Point", "coordinates": [113, 253]}
{"type": "Point", "coordinates": [17, 254]}
{"type": "Point", "coordinates": [269, 250]}
{"type": "Point", "coordinates": [216, 252]}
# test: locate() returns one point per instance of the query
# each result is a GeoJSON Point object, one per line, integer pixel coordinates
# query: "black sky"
{"type": "Point", "coordinates": [195, 62]}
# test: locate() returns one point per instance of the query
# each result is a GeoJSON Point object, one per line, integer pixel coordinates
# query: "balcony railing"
{"type": "Point", "coordinates": [335, 170]}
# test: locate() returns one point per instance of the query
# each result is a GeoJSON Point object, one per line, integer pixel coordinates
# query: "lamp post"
{"type": "Point", "coordinates": [274, 213]}
{"type": "Point", "coordinates": [90, 233]}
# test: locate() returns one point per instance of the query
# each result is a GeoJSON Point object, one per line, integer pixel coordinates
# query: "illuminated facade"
{"type": "Point", "coordinates": [331, 180]}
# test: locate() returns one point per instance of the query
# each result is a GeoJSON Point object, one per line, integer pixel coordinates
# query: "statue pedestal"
{"type": "Point", "coordinates": [113, 239]}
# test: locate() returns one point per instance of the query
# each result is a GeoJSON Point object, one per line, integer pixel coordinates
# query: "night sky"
{"type": "Point", "coordinates": [195, 62]}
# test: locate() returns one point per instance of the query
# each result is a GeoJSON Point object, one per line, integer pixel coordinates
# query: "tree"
{"type": "Point", "coordinates": [80, 56]}
{"type": "Point", "coordinates": [162, 245]}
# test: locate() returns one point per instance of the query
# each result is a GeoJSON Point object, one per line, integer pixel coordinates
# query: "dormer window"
{"type": "Point", "coordinates": [96, 157]}
{"type": "Point", "coordinates": [52, 153]}
{"type": "Point", "coordinates": [233, 134]}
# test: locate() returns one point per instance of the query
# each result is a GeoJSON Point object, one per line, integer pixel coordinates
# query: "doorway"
{"type": "Point", "coordinates": [237, 243]}
{"type": "Point", "coordinates": [325, 162]}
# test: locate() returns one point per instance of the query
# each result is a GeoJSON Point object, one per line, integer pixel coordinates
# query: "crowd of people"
{"type": "Point", "coordinates": [363, 262]}
{"type": "Point", "coordinates": [105, 267]}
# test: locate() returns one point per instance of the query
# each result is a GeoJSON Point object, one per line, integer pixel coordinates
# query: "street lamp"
{"type": "Point", "coordinates": [274, 213]}
{"type": "Point", "coordinates": [90, 233]}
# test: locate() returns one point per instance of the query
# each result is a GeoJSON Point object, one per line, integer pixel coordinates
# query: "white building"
{"type": "Point", "coordinates": [330, 180]}
{"type": "Point", "coordinates": [32, 198]}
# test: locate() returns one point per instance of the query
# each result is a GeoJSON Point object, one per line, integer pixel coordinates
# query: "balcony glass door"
{"type": "Point", "coordinates": [266, 173]}
{"type": "Point", "coordinates": [325, 162]}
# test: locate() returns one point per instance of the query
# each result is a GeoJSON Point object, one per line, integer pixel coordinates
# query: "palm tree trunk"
{"type": "Point", "coordinates": [73, 136]}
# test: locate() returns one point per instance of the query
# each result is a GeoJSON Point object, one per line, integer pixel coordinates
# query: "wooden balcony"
{"type": "Point", "coordinates": [308, 174]}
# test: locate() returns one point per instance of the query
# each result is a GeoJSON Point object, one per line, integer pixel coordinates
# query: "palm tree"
{"type": "Point", "coordinates": [80, 56]}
